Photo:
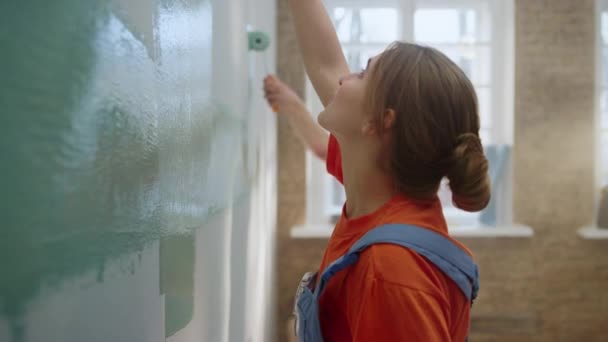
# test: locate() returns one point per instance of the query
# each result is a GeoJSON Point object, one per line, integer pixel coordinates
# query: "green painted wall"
{"type": "Point", "coordinates": [123, 169]}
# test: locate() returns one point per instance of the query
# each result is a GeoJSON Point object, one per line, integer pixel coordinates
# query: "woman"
{"type": "Point", "coordinates": [396, 129]}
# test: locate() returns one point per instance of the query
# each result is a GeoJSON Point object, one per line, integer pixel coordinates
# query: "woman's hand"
{"type": "Point", "coordinates": [280, 96]}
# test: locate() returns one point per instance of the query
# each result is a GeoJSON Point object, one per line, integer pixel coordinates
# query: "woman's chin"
{"type": "Point", "coordinates": [321, 119]}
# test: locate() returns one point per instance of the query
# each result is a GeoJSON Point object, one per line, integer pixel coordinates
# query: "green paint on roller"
{"type": "Point", "coordinates": [258, 40]}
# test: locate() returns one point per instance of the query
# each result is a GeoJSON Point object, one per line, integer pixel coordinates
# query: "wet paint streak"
{"type": "Point", "coordinates": [115, 153]}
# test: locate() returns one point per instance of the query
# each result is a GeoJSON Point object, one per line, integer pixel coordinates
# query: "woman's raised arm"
{"type": "Point", "coordinates": [319, 45]}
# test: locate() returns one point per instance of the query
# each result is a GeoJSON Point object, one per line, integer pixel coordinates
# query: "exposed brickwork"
{"type": "Point", "coordinates": [292, 178]}
{"type": "Point", "coordinates": [554, 286]}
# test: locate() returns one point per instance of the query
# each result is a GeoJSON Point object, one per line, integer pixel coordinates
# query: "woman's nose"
{"type": "Point", "coordinates": [345, 78]}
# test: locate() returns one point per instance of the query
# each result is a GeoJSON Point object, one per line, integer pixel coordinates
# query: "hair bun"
{"type": "Point", "coordinates": [467, 143]}
{"type": "Point", "coordinates": [468, 174]}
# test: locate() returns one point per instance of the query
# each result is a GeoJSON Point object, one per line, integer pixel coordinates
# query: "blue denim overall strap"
{"type": "Point", "coordinates": [439, 250]}
{"type": "Point", "coordinates": [307, 326]}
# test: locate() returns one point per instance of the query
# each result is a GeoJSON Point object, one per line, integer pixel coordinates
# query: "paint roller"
{"type": "Point", "coordinates": [259, 41]}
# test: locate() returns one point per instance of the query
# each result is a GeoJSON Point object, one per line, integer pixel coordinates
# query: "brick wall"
{"type": "Point", "coordinates": [293, 256]}
{"type": "Point", "coordinates": [553, 286]}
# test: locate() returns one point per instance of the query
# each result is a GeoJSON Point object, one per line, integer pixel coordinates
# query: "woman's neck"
{"type": "Point", "coordinates": [367, 186]}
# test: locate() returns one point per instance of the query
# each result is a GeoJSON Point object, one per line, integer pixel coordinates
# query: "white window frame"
{"type": "Point", "coordinates": [319, 213]}
{"type": "Point", "coordinates": [594, 232]}
{"type": "Point", "coordinates": [601, 88]}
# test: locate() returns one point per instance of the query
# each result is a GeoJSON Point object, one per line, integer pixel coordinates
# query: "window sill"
{"type": "Point", "coordinates": [323, 231]}
{"type": "Point", "coordinates": [478, 231]}
{"type": "Point", "coordinates": [312, 231]}
{"type": "Point", "coordinates": [593, 233]}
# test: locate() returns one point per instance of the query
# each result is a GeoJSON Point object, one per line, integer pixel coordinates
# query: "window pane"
{"type": "Point", "coordinates": [379, 25]}
{"type": "Point", "coordinates": [367, 25]}
{"type": "Point", "coordinates": [604, 67]}
{"type": "Point", "coordinates": [353, 58]}
{"type": "Point", "coordinates": [604, 143]}
{"type": "Point", "coordinates": [445, 25]}
{"type": "Point", "coordinates": [604, 100]}
{"type": "Point", "coordinates": [453, 25]}
{"type": "Point", "coordinates": [486, 137]}
{"type": "Point", "coordinates": [339, 197]}
{"type": "Point", "coordinates": [475, 61]}
{"type": "Point", "coordinates": [334, 197]}
{"type": "Point", "coordinates": [604, 109]}
{"type": "Point", "coordinates": [445, 195]}
{"type": "Point", "coordinates": [604, 27]}
{"type": "Point", "coordinates": [342, 18]}
{"type": "Point", "coordinates": [484, 98]}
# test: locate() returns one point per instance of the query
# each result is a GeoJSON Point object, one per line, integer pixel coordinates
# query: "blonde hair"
{"type": "Point", "coordinates": [436, 129]}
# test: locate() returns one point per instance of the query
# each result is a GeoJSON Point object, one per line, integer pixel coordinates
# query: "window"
{"type": "Point", "coordinates": [598, 229]}
{"type": "Point", "coordinates": [475, 34]}
{"type": "Point", "coordinates": [603, 90]}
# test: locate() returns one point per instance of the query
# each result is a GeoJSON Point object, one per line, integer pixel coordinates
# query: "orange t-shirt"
{"type": "Point", "coordinates": [391, 293]}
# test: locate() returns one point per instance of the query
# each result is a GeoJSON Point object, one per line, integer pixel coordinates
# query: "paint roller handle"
{"type": "Point", "coordinates": [281, 97]}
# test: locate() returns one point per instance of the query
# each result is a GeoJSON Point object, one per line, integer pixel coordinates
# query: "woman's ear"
{"type": "Point", "coordinates": [389, 118]}
{"type": "Point", "coordinates": [369, 127]}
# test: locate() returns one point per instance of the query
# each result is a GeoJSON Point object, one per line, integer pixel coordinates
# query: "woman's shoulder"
{"type": "Point", "coordinates": [426, 214]}
{"type": "Point", "coordinates": [403, 267]}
